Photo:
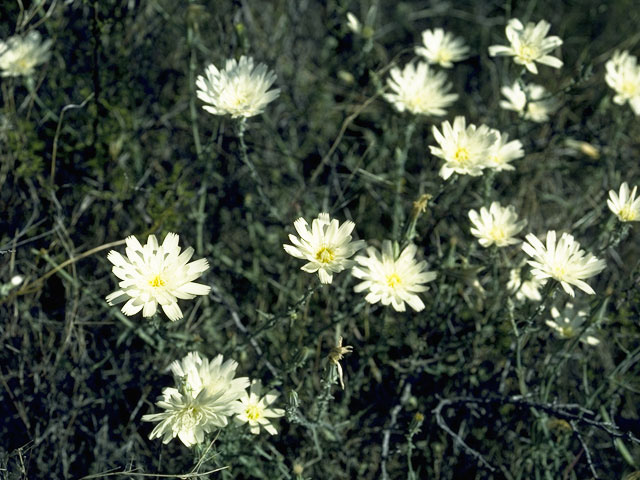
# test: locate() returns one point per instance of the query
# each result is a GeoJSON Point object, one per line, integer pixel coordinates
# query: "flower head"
{"type": "Point", "coordinates": [392, 279]}
{"type": "Point", "coordinates": [442, 48]}
{"type": "Point", "coordinates": [335, 355]}
{"type": "Point", "coordinates": [496, 226]}
{"type": "Point", "coordinates": [563, 261]}
{"type": "Point", "coordinates": [624, 205]}
{"type": "Point", "coordinates": [525, 289]}
{"type": "Point", "coordinates": [419, 90]}
{"type": "Point", "coordinates": [569, 323]}
{"type": "Point", "coordinates": [240, 90]}
{"type": "Point", "coordinates": [207, 397]}
{"type": "Point", "coordinates": [503, 152]}
{"type": "Point", "coordinates": [256, 410]}
{"type": "Point", "coordinates": [20, 55]}
{"type": "Point", "coordinates": [623, 75]}
{"type": "Point", "coordinates": [532, 102]}
{"type": "Point", "coordinates": [156, 274]}
{"type": "Point", "coordinates": [464, 149]}
{"type": "Point", "coordinates": [353, 23]}
{"type": "Point", "coordinates": [327, 247]}
{"type": "Point", "coordinates": [529, 45]}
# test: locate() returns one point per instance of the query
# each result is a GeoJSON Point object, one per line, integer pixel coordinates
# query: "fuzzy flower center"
{"type": "Point", "coordinates": [497, 233]}
{"type": "Point", "coordinates": [325, 255]}
{"type": "Point", "coordinates": [527, 53]}
{"type": "Point", "coordinates": [566, 332]}
{"type": "Point", "coordinates": [157, 281]}
{"type": "Point", "coordinates": [188, 418]}
{"type": "Point", "coordinates": [630, 88]}
{"type": "Point", "coordinates": [443, 56]}
{"type": "Point", "coordinates": [253, 412]}
{"type": "Point", "coordinates": [393, 280]}
{"type": "Point", "coordinates": [462, 155]}
{"type": "Point", "coordinates": [627, 213]}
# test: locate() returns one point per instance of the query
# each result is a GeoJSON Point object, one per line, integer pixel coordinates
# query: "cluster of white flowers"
{"type": "Point", "coordinates": [528, 289]}
{"type": "Point", "coordinates": [207, 395]}
{"type": "Point", "coordinates": [623, 75]}
{"type": "Point", "coordinates": [532, 102]}
{"type": "Point", "coordinates": [19, 55]}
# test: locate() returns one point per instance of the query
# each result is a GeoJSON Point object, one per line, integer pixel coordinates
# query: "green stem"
{"type": "Point", "coordinates": [401, 159]}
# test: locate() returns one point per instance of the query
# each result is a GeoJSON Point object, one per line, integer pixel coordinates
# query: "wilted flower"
{"type": "Point", "coordinates": [257, 411]}
{"type": "Point", "coordinates": [20, 55]}
{"type": "Point", "coordinates": [625, 206]}
{"type": "Point", "coordinates": [239, 90]}
{"type": "Point", "coordinates": [335, 355]}
{"type": "Point", "coordinates": [529, 45]}
{"type": "Point", "coordinates": [465, 150]}
{"type": "Point", "coordinates": [327, 247]}
{"type": "Point", "coordinates": [496, 226]}
{"type": "Point", "coordinates": [442, 48]}
{"type": "Point", "coordinates": [525, 289]}
{"type": "Point", "coordinates": [569, 323]}
{"type": "Point", "coordinates": [623, 75]}
{"type": "Point", "coordinates": [156, 274]}
{"type": "Point", "coordinates": [503, 152]}
{"type": "Point", "coordinates": [532, 102]}
{"type": "Point", "coordinates": [419, 90]}
{"type": "Point", "coordinates": [565, 261]}
{"type": "Point", "coordinates": [390, 279]}
{"type": "Point", "coordinates": [208, 395]}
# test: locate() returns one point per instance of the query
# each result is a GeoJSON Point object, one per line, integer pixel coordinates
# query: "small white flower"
{"type": "Point", "coordinates": [465, 150]}
{"type": "Point", "coordinates": [156, 274]}
{"type": "Point", "coordinates": [525, 289]}
{"type": "Point", "coordinates": [625, 206]}
{"type": "Point", "coordinates": [16, 280]}
{"type": "Point", "coordinates": [569, 323]}
{"type": "Point", "coordinates": [623, 75]}
{"type": "Point", "coordinates": [327, 247]}
{"type": "Point", "coordinates": [533, 102]}
{"type": "Point", "coordinates": [240, 90]}
{"type": "Point", "coordinates": [498, 225]}
{"type": "Point", "coordinates": [207, 397]}
{"type": "Point", "coordinates": [392, 280]}
{"type": "Point", "coordinates": [565, 261]}
{"type": "Point", "coordinates": [257, 411]}
{"type": "Point", "coordinates": [442, 48]}
{"type": "Point", "coordinates": [419, 90]}
{"type": "Point", "coordinates": [353, 23]}
{"type": "Point", "coordinates": [529, 45]}
{"type": "Point", "coordinates": [503, 152]}
{"type": "Point", "coordinates": [20, 55]}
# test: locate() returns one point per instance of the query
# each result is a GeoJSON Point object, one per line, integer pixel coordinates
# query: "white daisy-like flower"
{"type": "Point", "coordinates": [529, 45]}
{"type": "Point", "coordinates": [563, 261]}
{"type": "Point", "coordinates": [465, 149]}
{"type": "Point", "coordinates": [503, 152]}
{"type": "Point", "coordinates": [525, 289]}
{"type": "Point", "coordinates": [208, 396]}
{"type": "Point", "coordinates": [327, 247]}
{"type": "Point", "coordinates": [257, 411]}
{"type": "Point", "coordinates": [533, 102]}
{"type": "Point", "coordinates": [496, 226]}
{"type": "Point", "coordinates": [625, 205]}
{"type": "Point", "coordinates": [19, 56]}
{"type": "Point", "coordinates": [419, 90]}
{"type": "Point", "coordinates": [569, 323]}
{"type": "Point", "coordinates": [240, 90]}
{"type": "Point", "coordinates": [442, 48]}
{"type": "Point", "coordinates": [623, 75]}
{"type": "Point", "coordinates": [390, 280]}
{"type": "Point", "coordinates": [156, 274]}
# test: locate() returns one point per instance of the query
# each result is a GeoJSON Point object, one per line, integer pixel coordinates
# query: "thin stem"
{"type": "Point", "coordinates": [401, 159]}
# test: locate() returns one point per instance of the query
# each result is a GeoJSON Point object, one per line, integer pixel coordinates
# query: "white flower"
{"type": "Point", "coordinates": [392, 280]}
{"type": "Point", "coordinates": [207, 397]}
{"type": "Point", "coordinates": [532, 102]}
{"type": "Point", "coordinates": [327, 247]}
{"type": "Point", "coordinates": [419, 90]}
{"type": "Point", "coordinates": [565, 261]}
{"type": "Point", "coordinates": [498, 225]}
{"type": "Point", "coordinates": [569, 323]}
{"type": "Point", "coordinates": [20, 55]}
{"type": "Point", "coordinates": [465, 150]}
{"type": "Point", "coordinates": [353, 23]}
{"type": "Point", "coordinates": [623, 75]}
{"type": "Point", "coordinates": [626, 207]}
{"type": "Point", "coordinates": [529, 45]}
{"type": "Point", "coordinates": [527, 289]}
{"type": "Point", "coordinates": [442, 48]}
{"type": "Point", "coordinates": [239, 90]}
{"type": "Point", "coordinates": [156, 274]}
{"type": "Point", "coordinates": [503, 152]}
{"type": "Point", "coordinates": [257, 411]}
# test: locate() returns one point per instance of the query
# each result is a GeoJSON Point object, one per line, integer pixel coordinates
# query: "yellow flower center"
{"type": "Point", "coordinates": [630, 88]}
{"type": "Point", "coordinates": [527, 53]}
{"type": "Point", "coordinates": [497, 233]}
{"type": "Point", "coordinates": [627, 214]}
{"type": "Point", "coordinates": [157, 281]}
{"type": "Point", "coordinates": [443, 56]}
{"type": "Point", "coordinates": [462, 155]}
{"type": "Point", "coordinates": [393, 280]}
{"type": "Point", "coordinates": [559, 272]}
{"type": "Point", "coordinates": [566, 332]}
{"type": "Point", "coordinates": [253, 412]}
{"type": "Point", "coordinates": [325, 255]}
